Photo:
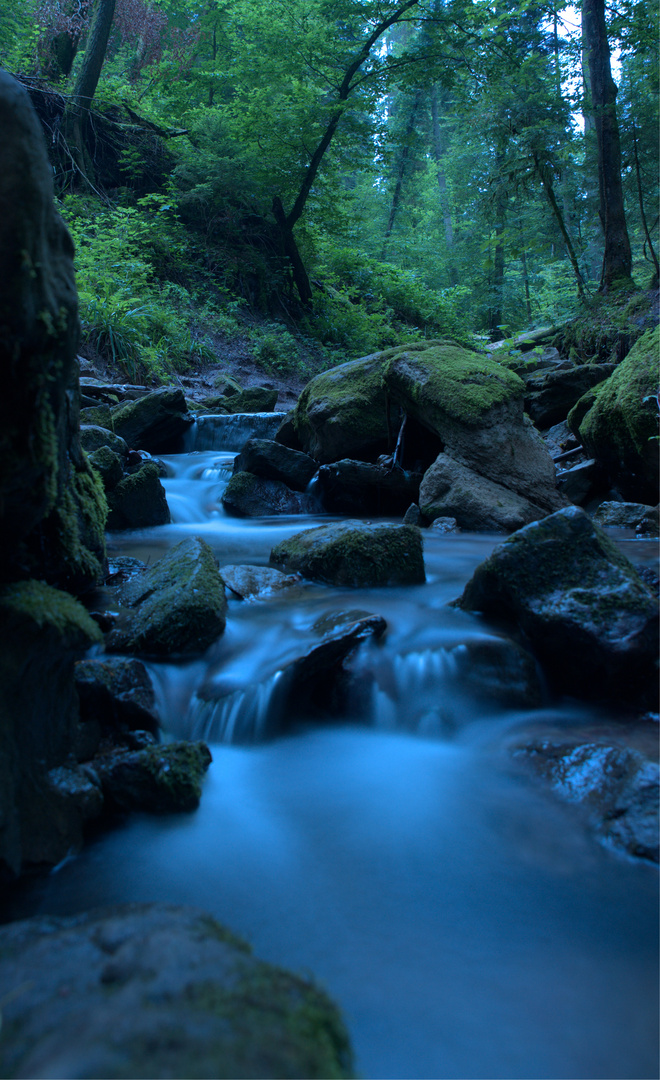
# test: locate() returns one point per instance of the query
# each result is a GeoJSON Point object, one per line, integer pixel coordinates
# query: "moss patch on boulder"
{"type": "Point", "coordinates": [353, 554]}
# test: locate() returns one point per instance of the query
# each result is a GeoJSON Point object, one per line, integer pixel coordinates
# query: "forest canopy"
{"type": "Point", "coordinates": [362, 171]}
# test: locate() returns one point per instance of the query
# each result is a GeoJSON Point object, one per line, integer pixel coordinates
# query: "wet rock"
{"type": "Point", "coordinates": [413, 515]}
{"type": "Point", "coordinates": [176, 607]}
{"type": "Point", "coordinates": [582, 605]}
{"type": "Point", "coordinates": [256, 582]}
{"type": "Point", "coordinates": [286, 433]}
{"type": "Point", "coordinates": [121, 568]}
{"type": "Point", "coordinates": [115, 695]}
{"type": "Point", "coordinates": [157, 779]}
{"type": "Point", "coordinates": [622, 515]}
{"type": "Point", "coordinates": [108, 465]}
{"type": "Point", "coordinates": [139, 500]}
{"type": "Point", "coordinates": [155, 422]}
{"type": "Point", "coordinates": [621, 427]}
{"type": "Point", "coordinates": [254, 399]}
{"type": "Point", "coordinates": [650, 522]}
{"type": "Point", "coordinates": [550, 395]}
{"type": "Point", "coordinates": [156, 991]}
{"type": "Point", "coordinates": [445, 525]}
{"type": "Point", "coordinates": [273, 461]}
{"type": "Point", "coordinates": [559, 439]}
{"type": "Point", "coordinates": [92, 437]}
{"type": "Point", "coordinates": [616, 785]}
{"type": "Point", "coordinates": [42, 632]}
{"type": "Point", "coordinates": [582, 483]}
{"type": "Point", "coordinates": [475, 407]}
{"type": "Point", "coordinates": [353, 554]}
{"type": "Point", "coordinates": [247, 495]}
{"type": "Point", "coordinates": [344, 412]}
{"type": "Point", "coordinates": [449, 489]}
{"type": "Point", "coordinates": [500, 671]}
{"type": "Point", "coordinates": [354, 487]}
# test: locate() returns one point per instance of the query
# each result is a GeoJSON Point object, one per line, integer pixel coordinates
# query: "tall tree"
{"type": "Point", "coordinates": [76, 114]}
{"type": "Point", "coordinates": [617, 259]}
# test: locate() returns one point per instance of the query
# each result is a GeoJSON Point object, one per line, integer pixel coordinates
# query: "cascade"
{"type": "Point", "coordinates": [231, 432]}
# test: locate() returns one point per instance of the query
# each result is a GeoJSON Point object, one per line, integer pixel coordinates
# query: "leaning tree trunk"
{"type": "Point", "coordinates": [76, 115]}
{"type": "Point", "coordinates": [617, 260]}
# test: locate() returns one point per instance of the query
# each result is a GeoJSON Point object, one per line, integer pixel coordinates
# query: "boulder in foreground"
{"type": "Point", "coordinates": [584, 608]}
{"type": "Point", "coordinates": [177, 607]}
{"type": "Point", "coordinates": [157, 991]}
{"type": "Point", "coordinates": [353, 554]}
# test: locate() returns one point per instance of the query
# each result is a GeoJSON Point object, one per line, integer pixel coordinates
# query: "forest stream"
{"type": "Point", "coordinates": [467, 923]}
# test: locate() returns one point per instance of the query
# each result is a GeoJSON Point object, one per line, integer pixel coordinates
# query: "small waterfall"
{"type": "Point", "coordinates": [247, 715]}
{"type": "Point", "coordinates": [417, 692]}
{"type": "Point", "coordinates": [231, 432]}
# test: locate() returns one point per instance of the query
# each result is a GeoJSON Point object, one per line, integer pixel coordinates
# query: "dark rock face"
{"type": "Point", "coordinates": [247, 495]}
{"type": "Point", "coordinates": [177, 607]}
{"type": "Point", "coordinates": [273, 461]}
{"type": "Point", "coordinates": [449, 489]}
{"type": "Point", "coordinates": [157, 991]}
{"type": "Point", "coordinates": [350, 553]}
{"type": "Point", "coordinates": [617, 786]}
{"type": "Point", "coordinates": [116, 696]}
{"type": "Point", "coordinates": [623, 515]}
{"type": "Point", "coordinates": [582, 483]}
{"type": "Point", "coordinates": [588, 616]}
{"type": "Point", "coordinates": [158, 779]}
{"type": "Point", "coordinates": [138, 501]}
{"type": "Point", "coordinates": [550, 395]}
{"type": "Point", "coordinates": [52, 511]}
{"type": "Point", "coordinates": [354, 487]}
{"type": "Point", "coordinates": [42, 632]}
{"type": "Point", "coordinates": [155, 422]}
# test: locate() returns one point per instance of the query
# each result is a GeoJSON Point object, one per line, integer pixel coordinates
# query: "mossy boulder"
{"type": "Point", "coordinates": [157, 779]}
{"type": "Point", "coordinates": [108, 465]}
{"type": "Point", "coordinates": [588, 616]}
{"type": "Point", "coordinates": [93, 437]}
{"type": "Point", "coordinates": [42, 632]}
{"type": "Point", "coordinates": [157, 991]}
{"type": "Point", "coordinates": [247, 495]}
{"type": "Point", "coordinates": [139, 501]}
{"type": "Point", "coordinates": [254, 399]}
{"type": "Point", "coordinates": [176, 607]}
{"type": "Point", "coordinates": [349, 553]}
{"type": "Point", "coordinates": [475, 407]}
{"type": "Point", "coordinates": [620, 429]}
{"type": "Point", "coordinates": [156, 422]}
{"type": "Point", "coordinates": [344, 412]}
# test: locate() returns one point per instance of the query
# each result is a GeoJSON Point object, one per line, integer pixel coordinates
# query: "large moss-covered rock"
{"type": "Point", "coordinates": [157, 991]}
{"type": "Point", "coordinates": [42, 632]}
{"type": "Point", "coordinates": [254, 399]}
{"type": "Point", "coordinates": [93, 437]}
{"type": "Point", "coordinates": [449, 489]}
{"type": "Point", "coordinates": [155, 422]}
{"type": "Point", "coordinates": [353, 554]}
{"type": "Point", "coordinates": [177, 607]}
{"type": "Point", "coordinates": [620, 429]}
{"type": "Point", "coordinates": [584, 608]}
{"type": "Point", "coordinates": [157, 779]}
{"type": "Point", "coordinates": [48, 525]}
{"type": "Point", "coordinates": [344, 412]}
{"type": "Point", "coordinates": [475, 407]}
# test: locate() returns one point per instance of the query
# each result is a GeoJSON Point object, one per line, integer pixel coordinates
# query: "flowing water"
{"type": "Point", "coordinates": [466, 922]}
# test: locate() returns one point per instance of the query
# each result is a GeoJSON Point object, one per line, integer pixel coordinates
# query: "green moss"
{"type": "Point", "coordinates": [450, 381]}
{"type": "Point", "coordinates": [78, 528]}
{"type": "Point", "coordinates": [343, 411]}
{"type": "Point", "coordinates": [354, 555]}
{"type": "Point", "coordinates": [208, 927]}
{"type": "Point", "coordinates": [620, 420]}
{"type": "Point", "coordinates": [45, 607]}
{"type": "Point", "coordinates": [178, 769]}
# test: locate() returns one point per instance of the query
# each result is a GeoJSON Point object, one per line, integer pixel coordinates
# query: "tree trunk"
{"type": "Point", "coordinates": [438, 151]}
{"type": "Point", "coordinates": [617, 260]}
{"type": "Point", "coordinates": [647, 233]}
{"type": "Point", "coordinates": [402, 166]}
{"type": "Point", "coordinates": [76, 113]}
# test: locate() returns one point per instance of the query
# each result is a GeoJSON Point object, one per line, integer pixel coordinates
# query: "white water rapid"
{"type": "Point", "coordinates": [466, 922]}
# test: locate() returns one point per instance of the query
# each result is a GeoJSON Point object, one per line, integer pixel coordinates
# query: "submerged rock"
{"type": "Point", "coordinates": [155, 991]}
{"type": "Point", "coordinates": [618, 787]}
{"type": "Point", "coordinates": [247, 495]}
{"type": "Point", "coordinates": [256, 582]}
{"type": "Point", "coordinates": [582, 605]}
{"type": "Point", "coordinates": [158, 779]}
{"type": "Point", "coordinates": [176, 607]}
{"type": "Point", "coordinates": [353, 554]}
{"type": "Point", "coordinates": [155, 422]}
{"type": "Point", "coordinates": [449, 489]}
